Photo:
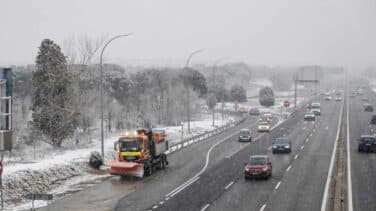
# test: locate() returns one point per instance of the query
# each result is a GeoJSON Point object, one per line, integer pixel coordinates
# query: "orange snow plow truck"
{"type": "Point", "coordinates": [140, 154]}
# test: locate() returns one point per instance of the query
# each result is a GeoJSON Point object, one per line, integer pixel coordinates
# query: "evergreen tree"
{"type": "Point", "coordinates": [53, 112]}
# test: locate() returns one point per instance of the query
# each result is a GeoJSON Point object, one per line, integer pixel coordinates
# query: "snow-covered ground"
{"type": "Point", "coordinates": [66, 171]}
{"type": "Point", "coordinates": [62, 172]}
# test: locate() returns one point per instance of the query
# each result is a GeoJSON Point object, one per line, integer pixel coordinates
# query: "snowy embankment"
{"type": "Point", "coordinates": [67, 171]}
{"type": "Point", "coordinates": [372, 84]}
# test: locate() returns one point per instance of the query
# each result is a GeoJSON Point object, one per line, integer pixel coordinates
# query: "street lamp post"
{"type": "Point", "coordinates": [187, 89]}
{"type": "Point", "coordinates": [214, 81]}
{"type": "Point", "coordinates": [102, 87]}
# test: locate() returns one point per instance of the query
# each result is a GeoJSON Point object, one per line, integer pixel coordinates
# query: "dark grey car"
{"type": "Point", "coordinates": [281, 145]}
{"type": "Point", "coordinates": [245, 135]}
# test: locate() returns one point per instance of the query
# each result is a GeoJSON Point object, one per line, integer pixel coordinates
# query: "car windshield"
{"type": "Point", "coordinates": [315, 105]}
{"type": "Point", "coordinates": [309, 113]}
{"type": "Point", "coordinates": [257, 160]}
{"type": "Point", "coordinates": [368, 139]}
{"type": "Point", "coordinates": [245, 132]}
{"type": "Point", "coordinates": [280, 141]}
{"type": "Point", "coordinates": [264, 123]}
{"type": "Point", "coordinates": [129, 145]}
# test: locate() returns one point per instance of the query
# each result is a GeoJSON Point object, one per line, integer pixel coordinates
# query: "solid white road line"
{"type": "Point", "coordinates": [288, 168]}
{"type": "Point", "coordinates": [349, 182]}
{"type": "Point", "coordinates": [196, 177]}
{"type": "Point", "coordinates": [277, 186]}
{"type": "Point", "coordinates": [229, 185]}
{"type": "Point", "coordinates": [263, 207]}
{"type": "Point", "coordinates": [332, 160]}
{"type": "Point", "coordinates": [205, 207]}
{"type": "Point", "coordinates": [182, 187]}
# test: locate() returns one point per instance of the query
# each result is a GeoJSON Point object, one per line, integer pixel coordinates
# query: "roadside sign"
{"type": "Point", "coordinates": [286, 103]}
{"type": "Point", "coordinates": [39, 196]}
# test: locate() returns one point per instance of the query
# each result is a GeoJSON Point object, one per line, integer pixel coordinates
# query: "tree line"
{"type": "Point", "coordinates": [63, 95]}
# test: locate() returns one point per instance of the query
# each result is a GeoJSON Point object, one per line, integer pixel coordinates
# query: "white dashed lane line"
{"type": "Point", "coordinates": [288, 168]}
{"type": "Point", "coordinates": [302, 147]}
{"type": "Point", "coordinates": [229, 185]}
{"type": "Point", "coordinates": [205, 207]}
{"type": "Point", "coordinates": [263, 207]}
{"type": "Point", "coordinates": [296, 156]}
{"type": "Point", "coordinates": [277, 186]}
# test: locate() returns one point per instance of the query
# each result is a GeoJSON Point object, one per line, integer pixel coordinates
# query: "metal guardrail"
{"type": "Point", "coordinates": [194, 139]}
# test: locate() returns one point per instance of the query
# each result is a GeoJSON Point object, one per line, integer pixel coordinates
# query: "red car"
{"type": "Point", "coordinates": [259, 166]}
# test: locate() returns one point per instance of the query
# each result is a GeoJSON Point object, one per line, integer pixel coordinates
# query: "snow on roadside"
{"type": "Point", "coordinates": [63, 172]}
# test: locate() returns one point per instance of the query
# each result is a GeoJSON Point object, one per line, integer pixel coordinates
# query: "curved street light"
{"type": "Point", "coordinates": [187, 89]}
{"type": "Point", "coordinates": [102, 86]}
{"type": "Point", "coordinates": [214, 81]}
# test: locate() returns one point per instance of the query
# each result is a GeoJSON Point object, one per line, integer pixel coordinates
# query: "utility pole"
{"type": "Point", "coordinates": [102, 87]}
{"type": "Point", "coordinates": [187, 89]}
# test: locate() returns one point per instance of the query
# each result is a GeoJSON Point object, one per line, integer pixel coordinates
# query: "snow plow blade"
{"type": "Point", "coordinates": [126, 168]}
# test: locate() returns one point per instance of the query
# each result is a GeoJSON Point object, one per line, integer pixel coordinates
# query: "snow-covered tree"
{"type": "Point", "coordinates": [53, 111]}
{"type": "Point", "coordinates": [238, 93]}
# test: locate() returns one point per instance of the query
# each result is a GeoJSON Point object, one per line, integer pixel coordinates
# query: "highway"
{"type": "Point", "coordinates": [209, 175]}
{"type": "Point", "coordinates": [298, 178]}
{"type": "Point", "coordinates": [184, 164]}
{"type": "Point", "coordinates": [363, 165]}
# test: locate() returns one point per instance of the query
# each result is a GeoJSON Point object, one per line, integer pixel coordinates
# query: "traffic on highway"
{"type": "Point", "coordinates": [188, 105]}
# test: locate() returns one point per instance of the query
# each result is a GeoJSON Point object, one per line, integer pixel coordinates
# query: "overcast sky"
{"type": "Point", "coordinates": [279, 32]}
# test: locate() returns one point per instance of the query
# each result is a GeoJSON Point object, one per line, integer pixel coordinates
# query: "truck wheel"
{"type": "Point", "coordinates": [148, 169]}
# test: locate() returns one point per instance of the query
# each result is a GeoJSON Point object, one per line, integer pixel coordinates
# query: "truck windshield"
{"type": "Point", "coordinates": [130, 145]}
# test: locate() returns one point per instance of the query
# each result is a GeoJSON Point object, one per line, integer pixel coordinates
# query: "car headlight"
{"type": "Point", "coordinates": [265, 168]}
{"type": "Point", "coordinates": [287, 146]}
{"type": "Point", "coordinates": [274, 146]}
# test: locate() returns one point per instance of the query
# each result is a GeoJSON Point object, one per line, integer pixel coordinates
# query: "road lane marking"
{"type": "Point", "coordinates": [161, 203]}
{"type": "Point", "coordinates": [307, 140]}
{"type": "Point", "coordinates": [196, 177]}
{"type": "Point", "coordinates": [182, 187]}
{"type": "Point", "coordinates": [327, 128]}
{"type": "Point", "coordinates": [288, 168]}
{"type": "Point", "coordinates": [229, 185]}
{"type": "Point", "coordinates": [304, 128]}
{"type": "Point", "coordinates": [332, 160]}
{"type": "Point", "coordinates": [277, 186]}
{"type": "Point", "coordinates": [167, 198]}
{"type": "Point", "coordinates": [155, 207]}
{"type": "Point", "coordinates": [302, 147]}
{"type": "Point", "coordinates": [205, 207]}
{"type": "Point", "coordinates": [349, 182]}
{"type": "Point", "coordinates": [262, 207]}
{"type": "Point", "coordinates": [296, 156]}
{"type": "Point", "coordinates": [310, 134]}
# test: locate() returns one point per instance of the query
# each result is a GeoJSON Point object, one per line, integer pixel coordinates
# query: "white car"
{"type": "Point", "coordinates": [309, 116]}
{"type": "Point", "coordinates": [263, 127]}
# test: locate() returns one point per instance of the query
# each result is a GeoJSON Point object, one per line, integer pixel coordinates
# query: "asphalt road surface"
{"type": "Point", "coordinates": [298, 178]}
{"type": "Point", "coordinates": [363, 165]}
{"type": "Point", "coordinates": [209, 175]}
